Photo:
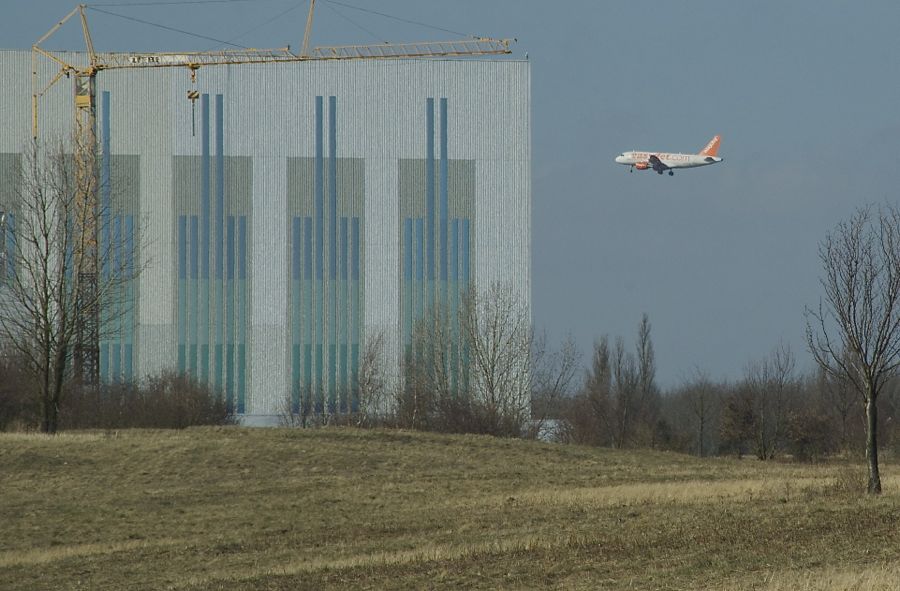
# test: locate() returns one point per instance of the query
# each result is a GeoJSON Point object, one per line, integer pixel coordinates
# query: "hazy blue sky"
{"type": "Point", "coordinates": [723, 259]}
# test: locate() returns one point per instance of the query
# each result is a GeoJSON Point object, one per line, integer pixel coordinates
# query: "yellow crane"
{"type": "Point", "coordinates": [86, 350]}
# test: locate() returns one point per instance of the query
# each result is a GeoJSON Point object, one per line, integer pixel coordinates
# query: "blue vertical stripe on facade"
{"type": "Point", "coordinates": [296, 337]}
{"type": "Point", "coordinates": [104, 361]}
{"type": "Point", "coordinates": [345, 249]}
{"type": "Point", "coordinates": [182, 247]}
{"type": "Point", "coordinates": [344, 309]}
{"type": "Point", "coordinates": [307, 248]}
{"type": "Point", "coordinates": [296, 260]}
{"type": "Point", "coordinates": [10, 246]}
{"type": "Point", "coordinates": [332, 188]}
{"type": "Point", "coordinates": [420, 271]}
{"type": "Point", "coordinates": [443, 191]}
{"type": "Point", "coordinates": [105, 195]}
{"type": "Point", "coordinates": [117, 253]}
{"type": "Point", "coordinates": [407, 276]}
{"type": "Point", "coordinates": [229, 310]}
{"type": "Point", "coordinates": [182, 291]}
{"type": "Point", "coordinates": [195, 254]}
{"type": "Point", "coordinates": [464, 247]}
{"type": "Point", "coordinates": [332, 291]}
{"type": "Point", "coordinates": [203, 286]}
{"type": "Point", "coordinates": [220, 243]}
{"type": "Point", "coordinates": [105, 180]}
{"type": "Point", "coordinates": [429, 184]}
{"type": "Point", "coordinates": [116, 355]}
{"type": "Point", "coordinates": [242, 314]}
{"type": "Point", "coordinates": [408, 249]}
{"type": "Point", "coordinates": [117, 245]}
{"type": "Point", "coordinates": [229, 249]}
{"type": "Point", "coordinates": [320, 192]}
{"type": "Point", "coordinates": [242, 378]}
{"type": "Point", "coordinates": [419, 286]}
{"type": "Point", "coordinates": [242, 247]}
{"type": "Point", "coordinates": [129, 247]}
{"type": "Point", "coordinates": [130, 315]}
{"type": "Point", "coordinates": [220, 188]}
{"type": "Point", "coordinates": [355, 266]}
{"type": "Point", "coordinates": [194, 296]}
{"type": "Point", "coordinates": [454, 250]}
{"type": "Point", "coordinates": [129, 364]}
{"type": "Point", "coordinates": [204, 188]}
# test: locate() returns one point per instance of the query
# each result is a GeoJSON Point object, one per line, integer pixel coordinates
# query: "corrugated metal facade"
{"type": "Point", "coordinates": [295, 207]}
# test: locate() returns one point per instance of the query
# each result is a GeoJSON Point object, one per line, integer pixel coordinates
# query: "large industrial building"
{"type": "Point", "coordinates": [293, 208]}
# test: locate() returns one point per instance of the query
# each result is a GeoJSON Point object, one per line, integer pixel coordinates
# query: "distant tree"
{"type": "Point", "coordinates": [703, 402]}
{"type": "Point", "coordinates": [619, 402]}
{"type": "Point", "coordinates": [594, 411]}
{"type": "Point", "coordinates": [854, 333]}
{"type": "Point", "coordinates": [737, 428]}
{"type": "Point", "coordinates": [840, 401]}
{"type": "Point", "coordinates": [552, 373]}
{"type": "Point", "coordinates": [475, 371]}
{"type": "Point", "coordinates": [372, 380]}
{"type": "Point", "coordinates": [769, 386]}
{"type": "Point", "coordinates": [47, 299]}
{"type": "Point", "coordinates": [500, 342]}
{"type": "Point", "coordinates": [635, 395]}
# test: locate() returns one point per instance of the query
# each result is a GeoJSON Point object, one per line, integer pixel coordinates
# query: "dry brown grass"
{"type": "Point", "coordinates": [230, 508]}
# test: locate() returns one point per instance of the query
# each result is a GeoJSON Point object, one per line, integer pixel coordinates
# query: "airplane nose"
{"type": "Point", "coordinates": [618, 159]}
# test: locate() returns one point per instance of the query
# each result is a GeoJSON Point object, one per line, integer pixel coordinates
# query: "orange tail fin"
{"type": "Point", "coordinates": [712, 148]}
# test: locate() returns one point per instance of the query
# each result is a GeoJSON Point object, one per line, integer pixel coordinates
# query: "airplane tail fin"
{"type": "Point", "coordinates": [712, 148]}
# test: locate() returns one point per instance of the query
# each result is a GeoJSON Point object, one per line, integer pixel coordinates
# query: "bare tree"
{"type": "Point", "coordinates": [433, 375]}
{"type": "Point", "coordinates": [553, 371]}
{"type": "Point", "coordinates": [842, 402]}
{"type": "Point", "coordinates": [625, 392]}
{"type": "Point", "coordinates": [498, 334]}
{"type": "Point", "coordinates": [55, 288]}
{"type": "Point", "coordinates": [702, 400]}
{"type": "Point", "coordinates": [372, 381]}
{"type": "Point", "coordinates": [854, 333]}
{"type": "Point", "coordinates": [768, 385]}
{"type": "Point", "coordinates": [597, 396]}
{"type": "Point", "coordinates": [478, 370]}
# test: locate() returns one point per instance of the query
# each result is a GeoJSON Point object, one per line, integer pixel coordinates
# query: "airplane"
{"type": "Point", "coordinates": [662, 162]}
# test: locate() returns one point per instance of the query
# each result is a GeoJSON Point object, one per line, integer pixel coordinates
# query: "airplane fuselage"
{"type": "Point", "coordinates": [671, 160]}
{"type": "Point", "coordinates": [661, 162]}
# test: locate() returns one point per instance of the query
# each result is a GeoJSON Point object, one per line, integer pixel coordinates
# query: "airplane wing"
{"type": "Point", "coordinates": [657, 164]}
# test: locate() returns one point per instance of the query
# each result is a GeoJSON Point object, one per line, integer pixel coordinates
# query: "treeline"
{"type": "Point", "coordinates": [772, 411]}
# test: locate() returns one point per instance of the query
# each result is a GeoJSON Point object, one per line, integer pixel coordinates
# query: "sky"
{"type": "Point", "coordinates": [722, 259]}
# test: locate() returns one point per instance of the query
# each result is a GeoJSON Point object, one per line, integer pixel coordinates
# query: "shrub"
{"type": "Point", "coordinates": [166, 401]}
{"type": "Point", "coordinates": [17, 406]}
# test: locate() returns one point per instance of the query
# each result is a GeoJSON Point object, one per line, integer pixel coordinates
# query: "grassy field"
{"type": "Point", "coordinates": [233, 508]}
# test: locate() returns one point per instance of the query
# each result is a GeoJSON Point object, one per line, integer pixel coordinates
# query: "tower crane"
{"type": "Point", "coordinates": [86, 349]}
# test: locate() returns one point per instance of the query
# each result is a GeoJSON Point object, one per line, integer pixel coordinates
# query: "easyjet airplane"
{"type": "Point", "coordinates": [661, 162]}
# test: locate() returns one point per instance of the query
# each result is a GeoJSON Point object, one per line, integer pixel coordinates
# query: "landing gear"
{"type": "Point", "coordinates": [659, 172]}
{"type": "Point", "coordinates": [671, 173]}
{"type": "Point", "coordinates": [631, 169]}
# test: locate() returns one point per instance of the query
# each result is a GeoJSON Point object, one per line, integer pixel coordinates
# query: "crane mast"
{"type": "Point", "coordinates": [85, 251]}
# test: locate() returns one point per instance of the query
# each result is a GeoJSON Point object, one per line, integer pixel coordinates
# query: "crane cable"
{"type": "Point", "coordinates": [168, 28]}
{"type": "Point", "coordinates": [397, 18]}
{"type": "Point", "coordinates": [94, 7]}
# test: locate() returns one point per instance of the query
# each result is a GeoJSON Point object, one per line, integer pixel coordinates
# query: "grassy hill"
{"type": "Point", "coordinates": [233, 508]}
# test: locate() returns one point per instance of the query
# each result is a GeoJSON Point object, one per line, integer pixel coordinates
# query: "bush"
{"type": "Point", "coordinates": [167, 401]}
{"type": "Point", "coordinates": [810, 436]}
{"type": "Point", "coordinates": [17, 406]}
